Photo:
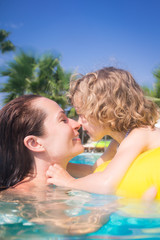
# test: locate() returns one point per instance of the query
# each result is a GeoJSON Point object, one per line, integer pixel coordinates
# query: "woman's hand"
{"type": "Point", "coordinates": [59, 176]}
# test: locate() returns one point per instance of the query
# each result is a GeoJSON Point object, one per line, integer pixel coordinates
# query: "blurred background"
{"type": "Point", "coordinates": [42, 43]}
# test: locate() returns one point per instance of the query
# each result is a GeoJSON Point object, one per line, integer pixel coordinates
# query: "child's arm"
{"type": "Point", "coordinates": [107, 181]}
{"type": "Point", "coordinates": [108, 154]}
{"type": "Point", "coordinates": [82, 170]}
{"type": "Point", "coordinates": [79, 170]}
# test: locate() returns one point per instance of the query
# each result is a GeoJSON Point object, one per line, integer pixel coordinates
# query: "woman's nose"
{"type": "Point", "coordinates": [75, 125]}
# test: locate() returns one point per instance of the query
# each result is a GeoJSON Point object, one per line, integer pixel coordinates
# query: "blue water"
{"type": "Point", "coordinates": [60, 213]}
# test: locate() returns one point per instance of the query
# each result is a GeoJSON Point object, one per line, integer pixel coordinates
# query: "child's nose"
{"type": "Point", "coordinates": [80, 120]}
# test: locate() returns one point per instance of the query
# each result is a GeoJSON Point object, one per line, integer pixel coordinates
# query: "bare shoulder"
{"type": "Point", "coordinates": [145, 132]}
{"type": "Point", "coordinates": [149, 136]}
{"type": "Point", "coordinates": [138, 134]}
{"type": "Point", "coordinates": [141, 130]}
{"type": "Point", "coordinates": [137, 140]}
{"type": "Point", "coordinates": [154, 138]}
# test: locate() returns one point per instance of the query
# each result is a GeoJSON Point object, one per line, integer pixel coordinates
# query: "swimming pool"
{"type": "Point", "coordinates": [63, 214]}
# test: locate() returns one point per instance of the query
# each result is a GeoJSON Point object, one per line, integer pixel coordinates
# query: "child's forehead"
{"type": "Point", "coordinates": [77, 102]}
{"type": "Point", "coordinates": [78, 96]}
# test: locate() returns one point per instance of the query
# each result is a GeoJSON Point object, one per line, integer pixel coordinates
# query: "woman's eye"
{"type": "Point", "coordinates": [64, 120]}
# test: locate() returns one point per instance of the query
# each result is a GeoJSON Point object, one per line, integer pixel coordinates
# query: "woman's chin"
{"type": "Point", "coordinates": [79, 151]}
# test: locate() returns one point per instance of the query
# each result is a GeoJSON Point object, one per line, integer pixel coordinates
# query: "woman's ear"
{"type": "Point", "coordinates": [33, 143]}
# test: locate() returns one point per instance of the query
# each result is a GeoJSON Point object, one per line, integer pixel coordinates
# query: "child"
{"type": "Point", "coordinates": [110, 102]}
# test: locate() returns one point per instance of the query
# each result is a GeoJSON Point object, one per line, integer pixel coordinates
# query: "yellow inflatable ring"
{"type": "Point", "coordinates": [142, 174]}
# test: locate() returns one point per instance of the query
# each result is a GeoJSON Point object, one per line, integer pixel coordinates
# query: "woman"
{"type": "Point", "coordinates": [33, 131]}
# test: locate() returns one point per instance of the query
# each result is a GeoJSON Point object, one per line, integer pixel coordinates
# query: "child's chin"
{"type": "Point", "coordinates": [94, 138]}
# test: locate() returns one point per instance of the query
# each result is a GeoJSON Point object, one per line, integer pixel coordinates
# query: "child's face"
{"type": "Point", "coordinates": [95, 131]}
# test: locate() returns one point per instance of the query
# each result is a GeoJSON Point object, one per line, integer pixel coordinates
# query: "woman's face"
{"type": "Point", "coordinates": [61, 139]}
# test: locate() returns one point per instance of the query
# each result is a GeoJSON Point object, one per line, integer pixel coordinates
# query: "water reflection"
{"type": "Point", "coordinates": [58, 211]}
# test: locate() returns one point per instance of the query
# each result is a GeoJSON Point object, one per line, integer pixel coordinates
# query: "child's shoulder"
{"type": "Point", "coordinates": [144, 130]}
{"type": "Point", "coordinates": [139, 131]}
{"type": "Point", "coordinates": [138, 136]}
{"type": "Point", "coordinates": [150, 136]}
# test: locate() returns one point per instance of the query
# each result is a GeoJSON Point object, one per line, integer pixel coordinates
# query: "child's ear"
{"type": "Point", "coordinates": [33, 143]}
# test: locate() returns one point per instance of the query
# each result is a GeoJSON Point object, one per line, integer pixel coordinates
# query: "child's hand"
{"type": "Point", "coordinates": [150, 194]}
{"type": "Point", "coordinates": [59, 176]}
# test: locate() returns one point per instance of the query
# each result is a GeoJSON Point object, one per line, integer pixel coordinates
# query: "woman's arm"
{"type": "Point", "coordinates": [107, 181]}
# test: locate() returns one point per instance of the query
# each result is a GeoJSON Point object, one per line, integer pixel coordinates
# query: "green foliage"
{"type": "Point", "coordinates": [19, 73]}
{"type": "Point", "coordinates": [157, 101]}
{"type": "Point", "coordinates": [43, 76]}
{"type": "Point", "coordinates": [72, 113]}
{"type": "Point", "coordinates": [5, 45]}
{"type": "Point", "coordinates": [147, 91]}
{"type": "Point", "coordinates": [156, 74]}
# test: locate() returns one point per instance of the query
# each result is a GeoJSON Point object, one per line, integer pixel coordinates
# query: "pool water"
{"type": "Point", "coordinates": [63, 214]}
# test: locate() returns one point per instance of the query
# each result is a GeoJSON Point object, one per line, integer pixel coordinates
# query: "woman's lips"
{"type": "Point", "coordinates": [76, 139]}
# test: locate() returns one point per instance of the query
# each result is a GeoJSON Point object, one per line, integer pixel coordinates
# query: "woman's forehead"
{"type": "Point", "coordinates": [47, 104]}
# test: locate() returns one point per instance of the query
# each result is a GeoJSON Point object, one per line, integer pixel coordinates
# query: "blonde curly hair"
{"type": "Point", "coordinates": [112, 97]}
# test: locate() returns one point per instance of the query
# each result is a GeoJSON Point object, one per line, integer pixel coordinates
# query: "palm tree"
{"type": "Point", "coordinates": [60, 85]}
{"type": "Point", "coordinates": [5, 45]}
{"type": "Point", "coordinates": [20, 72]}
{"type": "Point", "coordinates": [44, 73]}
{"type": "Point", "coordinates": [50, 79]}
{"type": "Point", "coordinates": [43, 76]}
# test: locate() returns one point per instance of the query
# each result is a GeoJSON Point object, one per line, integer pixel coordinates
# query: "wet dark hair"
{"type": "Point", "coordinates": [18, 119]}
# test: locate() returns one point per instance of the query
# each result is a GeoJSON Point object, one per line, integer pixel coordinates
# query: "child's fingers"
{"type": "Point", "coordinates": [58, 176]}
{"type": "Point", "coordinates": [50, 172]}
{"type": "Point", "coordinates": [50, 181]}
{"type": "Point", "coordinates": [52, 169]}
{"type": "Point", "coordinates": [150, 194]}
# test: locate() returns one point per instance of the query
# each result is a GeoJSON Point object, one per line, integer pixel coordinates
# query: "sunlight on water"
{"type": "Point", "coordinates": [60, 213]}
